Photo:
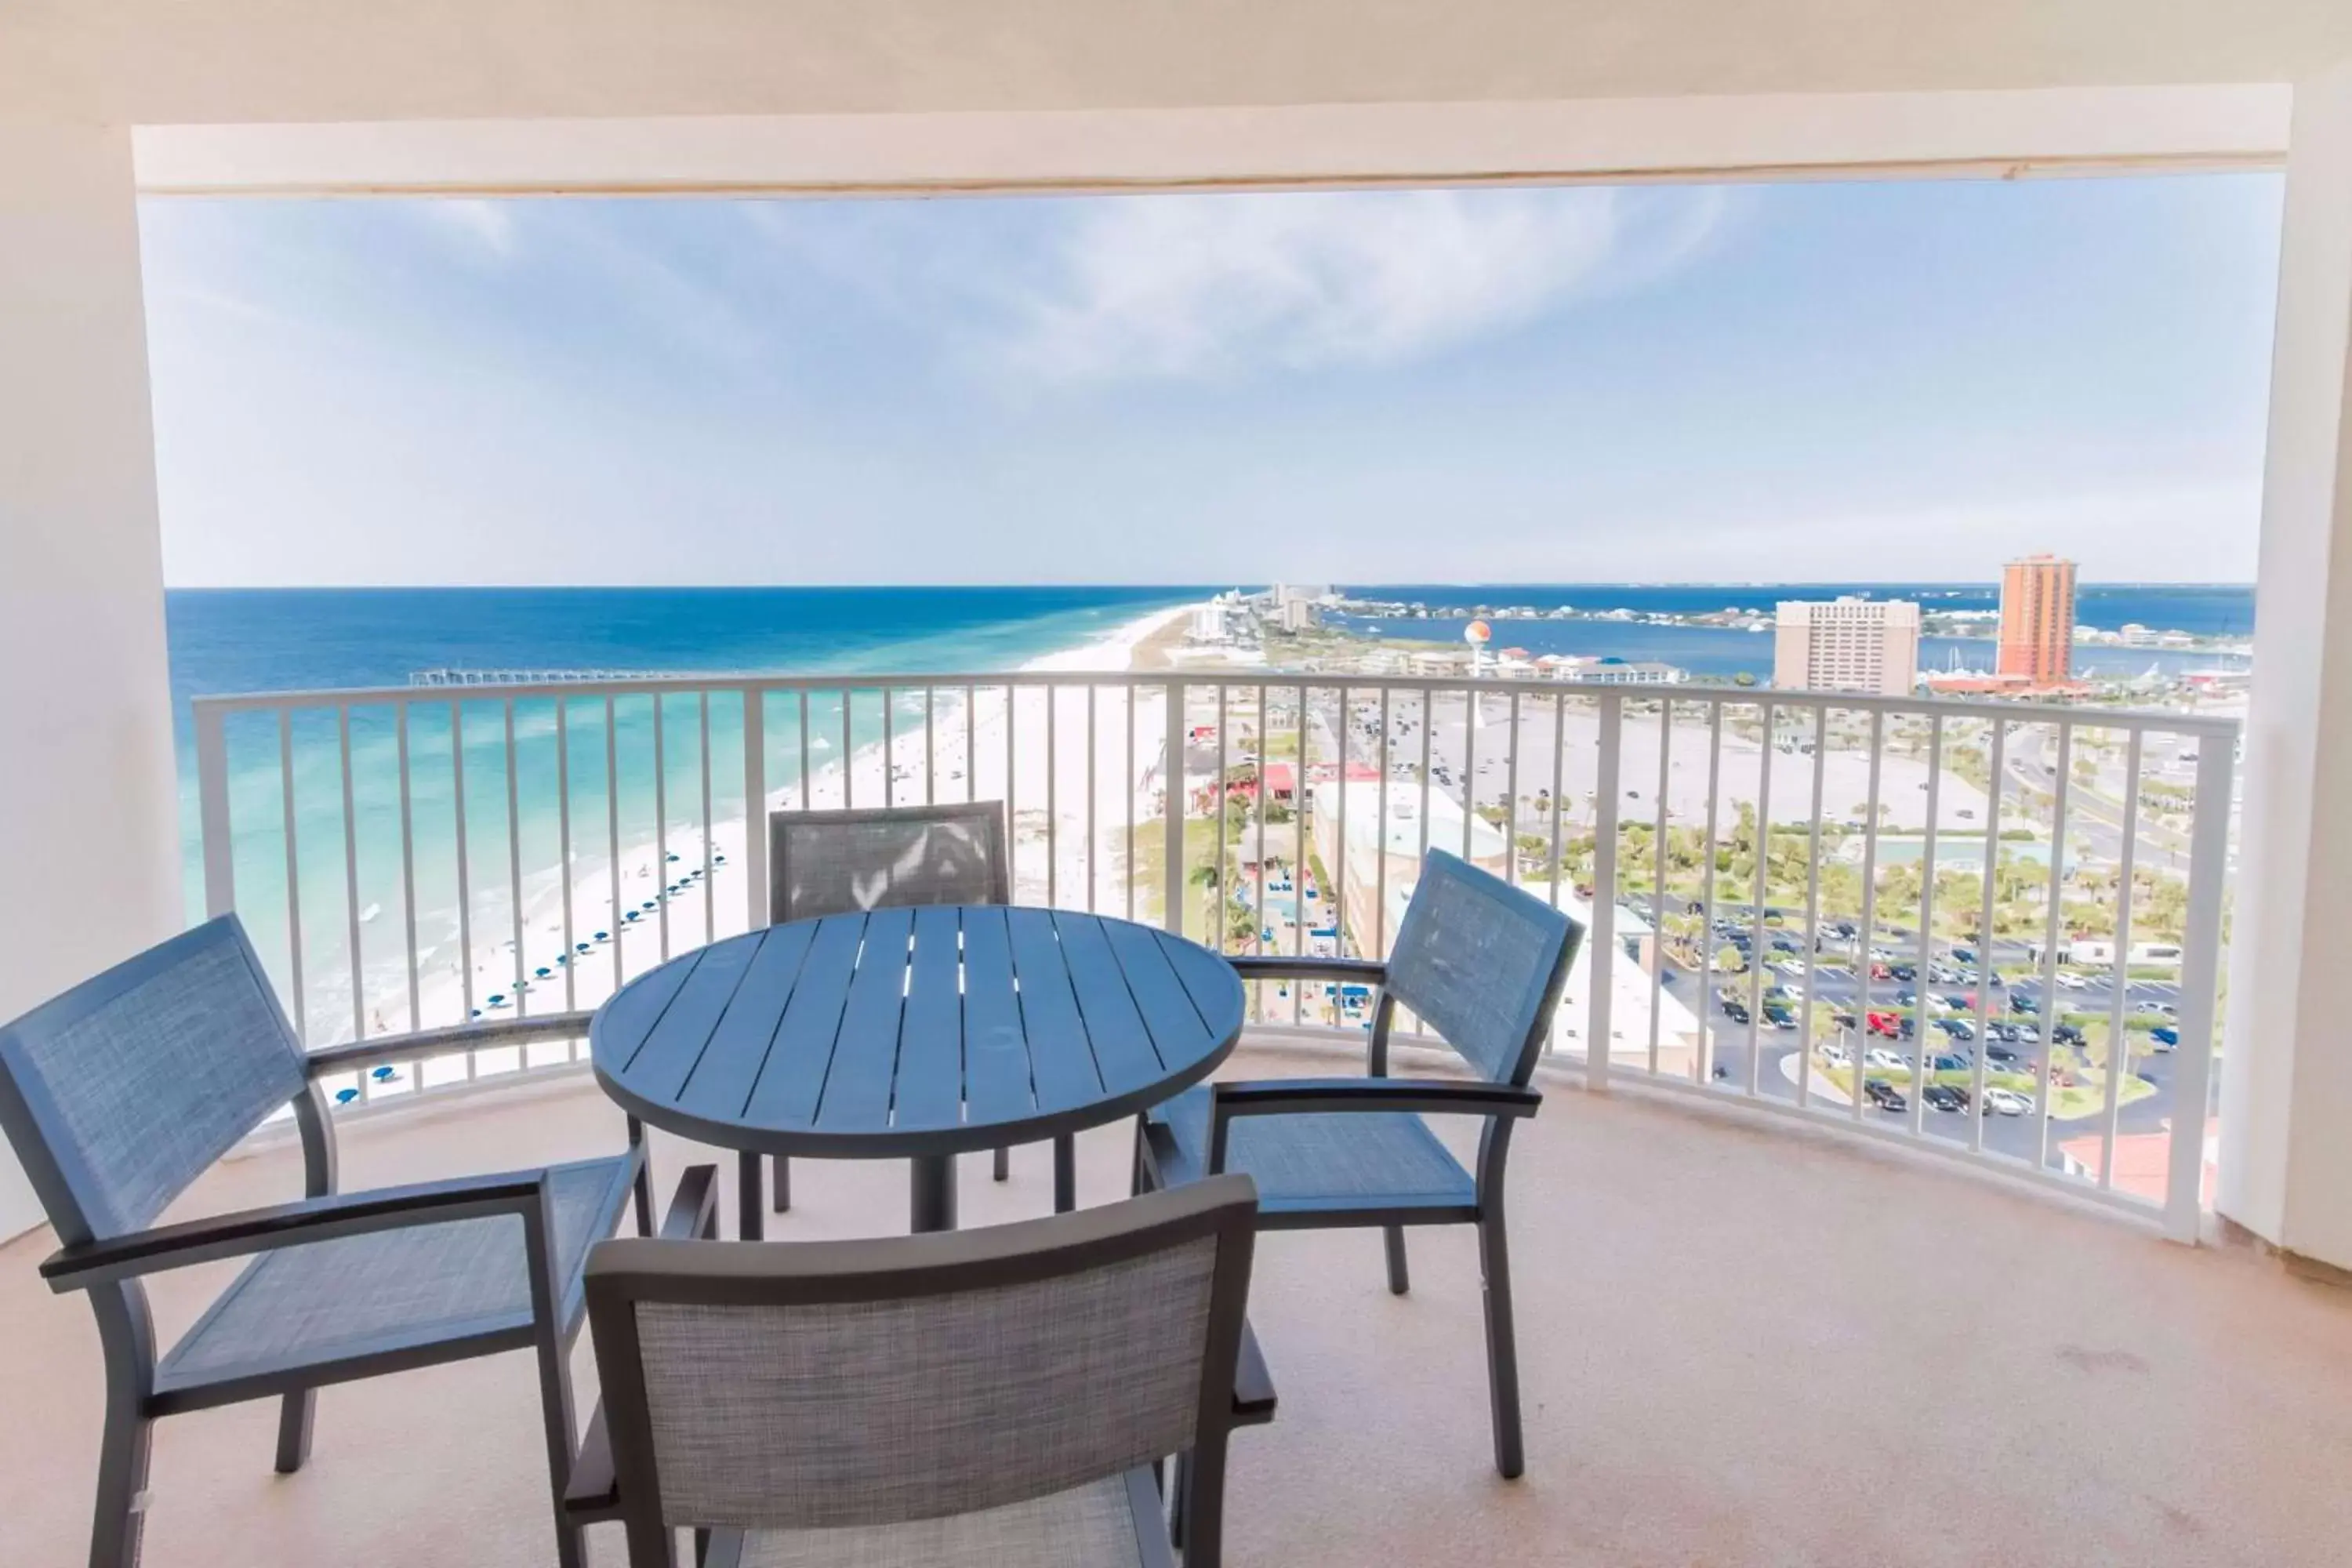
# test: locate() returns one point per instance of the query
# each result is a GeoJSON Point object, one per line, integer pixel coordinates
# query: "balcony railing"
{"type": "Point", "coordinates": [1874, 914]}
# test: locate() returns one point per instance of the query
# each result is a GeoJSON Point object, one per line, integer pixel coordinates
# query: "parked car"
{"type": "Point", "coordinates": [1885, 1023]}
{"type": "Point", "coordinates": [2068, 1035]}
{"type": "Point", "coordinates": [1779, 1015]}
{"type": "Point", "coordinates": [1997, 1030]}
{"type": "Point", "coordinates": [1944, 1098]}
{"type": "Point", "coordinates": [2072, 981]}
{"type": "Point", "coordinates": [1884, 1095]}
{"type": "Point", "coordinates": [1958, 1028]}
{"type": "Point", "coordinates": [1904, 971]}
{"type": "Point", "coordinates": [2004, 1056]}
{"type": "Point", "coordinates": [2165, 1037]}
{"type": "Point", "coordinates": [1947, 1062]}
{"type": "Point", "coordinates": [1790, 967]}
{"type": "Point", "coordinates": [1737, 1011]}
{"type": "Point", "coordinates": [1835, 1054]}
{"type": "Point", "coordinates": [1846, 1020]}
{"type": "Point", "coordinates": [1879, 1057]}
{"type": "Point", "coordinates": [2024, 1002]}
{"type": "Point", "coordinates": [2005, 1102]}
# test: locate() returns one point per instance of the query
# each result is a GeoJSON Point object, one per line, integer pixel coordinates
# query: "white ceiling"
{"type": "Point", "coordinates": [227, 61]}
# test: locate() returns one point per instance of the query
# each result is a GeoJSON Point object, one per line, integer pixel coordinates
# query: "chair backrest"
{"type": "Point", "coordinates": [120, 1093]}
{"type": "Point", "coordinates": [819, 1385]}
{"type": "Point", "coordinates": [837, 862]}
{"type": "Point", "coordinates": [1483, 963]}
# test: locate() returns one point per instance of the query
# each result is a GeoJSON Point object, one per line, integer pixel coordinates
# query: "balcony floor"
{"type": "Point", "coordinates": [1740, 1346]}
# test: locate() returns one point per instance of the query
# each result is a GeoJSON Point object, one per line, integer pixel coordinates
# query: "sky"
{"type": "Point", "coordinates": [1855, 380]}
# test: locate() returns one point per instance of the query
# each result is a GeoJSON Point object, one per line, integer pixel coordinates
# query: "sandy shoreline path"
{"type": "Point", "coordinates": [1072, 805]}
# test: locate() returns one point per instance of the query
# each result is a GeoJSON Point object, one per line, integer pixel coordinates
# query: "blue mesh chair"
{"type": "Point", "coordinates": [119, 1094]}
{"type": "Point", "coordinates": [1482, 964]}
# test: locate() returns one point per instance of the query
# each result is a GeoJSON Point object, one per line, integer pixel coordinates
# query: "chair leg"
{"type": "Point", "coordinates": [122, 1513]}
{"type": "Point", "coordinates": [783, 1184]}
{"type": "Point", "coordinates": [643, 1184]}
{"type": "Point", "coordinates": [751, 1203]}
{"type": "Point", "coordinates": [1502, 1347]}
{"type": "Point", "coordinates": [295, 1413]}
{"type": "Point", "coordinates": [1179, 1492]}
{"type": "Point", "coordinates": [1066, 1174]}
{"type": "Point", "coordinates": [1400, 1281]}
{"type": "Point", "coordinates": [1004, 1164]}
{"type": "Point", "coordinates": [555, 1407]}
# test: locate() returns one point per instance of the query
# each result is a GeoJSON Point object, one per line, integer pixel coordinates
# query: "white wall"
{"type": "Point", "coordinates": [89, 846]}
{"type": "Point", "coordinates": [2286, 1101]}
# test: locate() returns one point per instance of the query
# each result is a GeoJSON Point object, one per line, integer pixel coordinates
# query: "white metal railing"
{"type": "Point", "coordinates": [542, 842]}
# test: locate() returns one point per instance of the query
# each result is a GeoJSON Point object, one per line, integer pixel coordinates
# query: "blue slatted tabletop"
{"type": "Point", "coordinates": [916, 1033]}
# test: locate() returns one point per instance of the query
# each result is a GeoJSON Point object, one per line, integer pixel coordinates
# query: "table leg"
{"type": "Point", "coordinates": [751, 1197]}
{"type": "Point", "coordinates": [931, 1192]}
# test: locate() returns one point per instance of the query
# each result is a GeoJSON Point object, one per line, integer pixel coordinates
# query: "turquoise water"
{"type": "Point", "coordinates": [243, 641]}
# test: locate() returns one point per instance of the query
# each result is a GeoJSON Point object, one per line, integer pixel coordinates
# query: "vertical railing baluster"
{"type": "Point", "coordinates": [1703, 1059]}
{"type": "Point", "coordinates": [2052, 930]}
{"type": "Point", "coordinates": [1869, 943]}
{"type": "Point", "coordinates": [1265, 836]}
{"type": "Point", "coordinates": [1929, 864]}
{"type": "Point", "coordinates": [1171, 823]}
{"type": "Point", "coordinates": [1511, 797]}
{"type": "Point", "coordinates": [702, 755]}
{"type": "Point", "coordinates": [1011, 815]}
{"type": "Point", "coordinates": [514, 865]}
{"type": "Point", "coordinates": [563, 848]}
{"type": "Point", "coordinates": [1126, 787]}
{"type": "Point", "coordinates": [807, 782]}
{"type": "Point", "coordinates": [889, 751]}
{"type": "Point", "coordinates": [1380, 843]}
{"type": "Point", "coordinates": [755, 807]}
{"type": "Point", "coordinates": [2200, 973]}
{"type": "Point", "coordinates": [1758, 946]}
{"type": "Point", "coordinates": [408, 871]}
{"type": "Point", "coordinates": [848, 766]}
{"type": "Point", "coordinates": [1053, 810]}
{"type": "Point", "coordinates": [1601, 973]}
{"type": "Point", "coordinates": [2119, 985]}
{"type": "Point", "coordinates": [293, 871]}
{"type": "Point", "coordinates": [1813, 914]}
{"type": "Point", "coordinates": [1985, 975]}
{"type": "Point", "coordinates": [1338, 890]}
{"type": "Point", "coordinates": [1093, 871]}
{"type": "Point", "coordinates": [613, 824]}
{"type": "Point", "coordinates": [971, 743]}
{"type": "Point", "coordinates": [351, 872]}
{"type": "Point", "coordinates": [661, 822]}
{"type": "Point", "coordinates": [1298, 864]}
{"type": "Point", "coordinates": [1658, 894]}
{"type": "Point", "coordinates": [930, 745]}
{"type": "Point", "coordinates": [1217, 936]}
{"type": "Point", "coordinates": [1473, 710]}
{"type": "Point", "coordinates": [1559, 757]}
{"type": "Point", "coordinates": [465, 873]}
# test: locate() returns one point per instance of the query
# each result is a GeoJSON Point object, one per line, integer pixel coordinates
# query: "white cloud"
{"type": "Point", "coordinates": [1211, 287]}
{"type": "Point", "coordinates": [482, 225]}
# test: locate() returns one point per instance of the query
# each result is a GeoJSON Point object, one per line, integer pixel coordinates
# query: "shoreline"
{"type": "Point", "coordinates": [698, 908]}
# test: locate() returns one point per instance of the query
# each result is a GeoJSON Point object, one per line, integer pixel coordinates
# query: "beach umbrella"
{"type": "Point", "coordinates": [633, 914]}
{"type": "Point", "coordinates": [600, 936]}
{"type": "Point", "coordinates": [345, 1096]}
{"type": "Point", "coordinates": [583, 947]}
{"type": "Point", "coordinates": [673, 854]}
{"type": "Point", "coordinates": [541, 972]}
{"type": "Point", "coordinates": [498, 998]}
{"type": "Point", "coordinates": [382, 1075]}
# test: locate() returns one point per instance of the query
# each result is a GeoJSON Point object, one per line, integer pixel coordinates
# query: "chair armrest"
{"type": "Point", "coordinates": [1254, 1399]}
{"type": "Point", "coordinates": [388, 1049]}
{"type": "Point", "coordinates": [86, 1264]}
{"type": "Point", "coordinates": [1292, 1095]}
{"type": "Point", "coordinates": [1282, 966]}
{"type": "Point", "coordinates": [694, 1209]}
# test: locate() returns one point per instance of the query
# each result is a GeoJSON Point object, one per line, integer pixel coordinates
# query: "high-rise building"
{"type": "Point", "coordinates": [2037, 620]}
{"type": "Point", "coordinates": [1846, 644]}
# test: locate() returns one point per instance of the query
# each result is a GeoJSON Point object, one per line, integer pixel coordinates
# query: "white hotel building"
{"type": "Point", "coordinates": [1847, 644]}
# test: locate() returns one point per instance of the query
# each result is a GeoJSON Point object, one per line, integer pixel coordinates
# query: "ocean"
{"type": "Point", "coordinates": [2222, 610]}
{"type": "Point", "coordinates": [225, 641]}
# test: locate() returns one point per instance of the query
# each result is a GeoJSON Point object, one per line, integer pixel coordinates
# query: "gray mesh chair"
{"type": "Point", "coordinates": [835, 862]}
{"type": "Point", "coordinates": [1482, 964]}
{"type": "Point", "coordinates": [1002, 1396]}
{"type": "Point", "coordinates": [117, 1094]}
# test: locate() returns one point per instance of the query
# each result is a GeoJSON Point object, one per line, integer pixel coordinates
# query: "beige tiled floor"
{"type": "Point", "coordinates": [1741, 1345]}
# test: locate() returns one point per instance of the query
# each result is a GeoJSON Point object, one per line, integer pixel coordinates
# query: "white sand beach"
{"type": "Point", "coordinates": [1077, 799]}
